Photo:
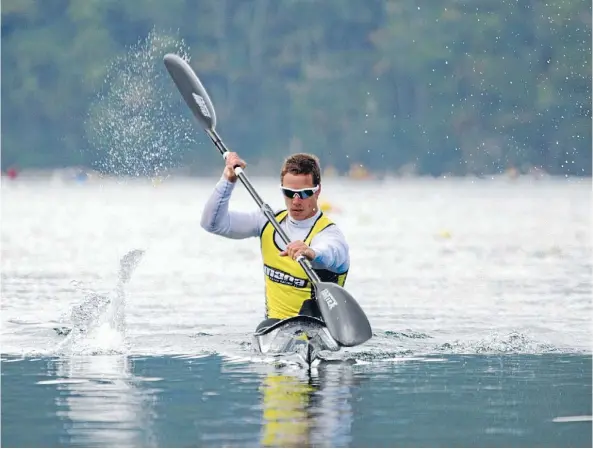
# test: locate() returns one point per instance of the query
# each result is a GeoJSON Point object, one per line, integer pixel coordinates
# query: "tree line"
{"type": "Point", "coordinates": [431, 86]}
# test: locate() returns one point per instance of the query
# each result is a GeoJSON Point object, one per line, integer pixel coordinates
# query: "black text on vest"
{"type": "Point", "coordinates": [284, 278]}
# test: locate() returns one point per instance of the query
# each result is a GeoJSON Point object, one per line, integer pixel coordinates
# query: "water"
{"type": "Point", "coordinates": [479, 293]}
{"type": "Point", "coordinates": [135, 126]}
{"type": "Point", "coordinates": [112, 400]}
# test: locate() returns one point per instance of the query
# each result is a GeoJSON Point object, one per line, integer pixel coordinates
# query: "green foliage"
{"type": "Point", "coordinates": [446, 86]}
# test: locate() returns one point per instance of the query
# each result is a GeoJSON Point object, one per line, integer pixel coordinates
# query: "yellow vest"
{"type": "Point", "coordinates": [286, 283]}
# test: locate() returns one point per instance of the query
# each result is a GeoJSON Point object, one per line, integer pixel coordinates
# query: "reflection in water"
{"type": "Point", "coordinates": [101, 399]}
{"type": "Point", "coordinates": [301, 410]}
{"type": "Point", "coordinates": [453, 401]}
{"type": "Point", "coordinates": [286, 400]}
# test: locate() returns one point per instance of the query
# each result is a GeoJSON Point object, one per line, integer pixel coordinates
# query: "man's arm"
{"type": "Point", "coordinates": [331, 250]}
{"type": "Point", "coordinates": [217, 219]}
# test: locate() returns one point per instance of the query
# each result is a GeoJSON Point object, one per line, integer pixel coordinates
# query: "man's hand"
{"type": "Point", "coordinates": [231, 161]}
{"type": "Point", "coordinates": [298, 248]}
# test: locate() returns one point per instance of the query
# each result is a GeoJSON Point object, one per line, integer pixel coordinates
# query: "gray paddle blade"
{"type": "Point", "coordinates": [191, 90]}
{"type": "Point", "coordinates": [345, 319]}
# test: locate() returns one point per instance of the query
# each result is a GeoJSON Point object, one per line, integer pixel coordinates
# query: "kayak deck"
{"type": "Point", "coordinates": [301, 337]}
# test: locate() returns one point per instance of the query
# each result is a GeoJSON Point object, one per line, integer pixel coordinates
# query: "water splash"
{"type": "Point", "coordinates": [137, 126]}
{"type": "Point", "coordinates": [101, 340]}
{"type": "Point", "coordinates": [499, 343]}
{"type": "Point", "coordinates": [98, 323]}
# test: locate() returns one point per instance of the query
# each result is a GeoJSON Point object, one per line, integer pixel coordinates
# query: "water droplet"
{"type": "Point", "coordinates": [136, 125]}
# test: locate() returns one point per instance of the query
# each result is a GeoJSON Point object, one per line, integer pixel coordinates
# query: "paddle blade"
{"type": "Point", "coordinates": [191, 90]}
{"type": "Point", "coordinates": [345, 319]}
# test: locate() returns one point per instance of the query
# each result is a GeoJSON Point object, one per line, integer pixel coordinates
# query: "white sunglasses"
{"type": "Point", "coordinates": [302, 193]}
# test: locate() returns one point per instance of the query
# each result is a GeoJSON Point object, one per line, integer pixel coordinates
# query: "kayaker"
{"type": "Point", "coordinates": [313, 234]}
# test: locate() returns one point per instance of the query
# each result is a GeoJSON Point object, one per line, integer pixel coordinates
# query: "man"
{"type": "Point", "coordinates": [312, 234]}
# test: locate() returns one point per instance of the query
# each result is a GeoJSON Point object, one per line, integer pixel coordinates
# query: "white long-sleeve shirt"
{"type": "Point", "coordinates": [330, 246]}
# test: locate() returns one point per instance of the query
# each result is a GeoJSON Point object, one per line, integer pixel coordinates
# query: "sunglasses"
{"type": "Point", "coordinates": [302, 193]}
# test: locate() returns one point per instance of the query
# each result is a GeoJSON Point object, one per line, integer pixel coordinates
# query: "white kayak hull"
{"type": "Point", "coordinates": [299, 338]}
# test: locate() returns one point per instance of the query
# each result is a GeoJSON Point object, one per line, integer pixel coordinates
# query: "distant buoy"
{"type": "Point", "coordinates": [326, 206]}
{"type": "Point", "coordinates": [330, 172]}
{"type": "Point", "coordinates": [445, 234]}
{"type": "Point", "coordinates": [81, 177]}
{"type": "Point", "coordinates": [12, 173]}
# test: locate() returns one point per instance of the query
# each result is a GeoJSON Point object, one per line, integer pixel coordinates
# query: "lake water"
{"type": "Point", "coordinates": [478, 291]}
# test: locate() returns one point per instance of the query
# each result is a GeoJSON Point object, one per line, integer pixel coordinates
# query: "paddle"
{"type": "Point", "coordinates": [345, 319]}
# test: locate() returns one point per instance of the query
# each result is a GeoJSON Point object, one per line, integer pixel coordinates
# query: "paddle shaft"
{"type": "Point", "coordinates": [265, 208]}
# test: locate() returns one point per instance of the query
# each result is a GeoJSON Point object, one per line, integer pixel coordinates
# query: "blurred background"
{"type": "Point", "coordinates": [373, 87]}
{"type": "Point", "coordinates": [478, 290]}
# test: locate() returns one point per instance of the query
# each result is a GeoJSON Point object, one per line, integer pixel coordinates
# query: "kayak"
{"type": "Point", "coordinates": [299, 338]}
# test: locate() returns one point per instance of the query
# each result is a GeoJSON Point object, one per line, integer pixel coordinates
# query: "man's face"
{"type": "Point", "coordinates": [300, 195]}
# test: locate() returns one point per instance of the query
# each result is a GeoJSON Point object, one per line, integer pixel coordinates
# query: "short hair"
{"type": "Point", "coordinates": [302, 164]}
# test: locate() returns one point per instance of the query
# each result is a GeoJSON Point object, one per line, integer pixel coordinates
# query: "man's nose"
{"type": "Point", "coordinates": [296, 198]}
